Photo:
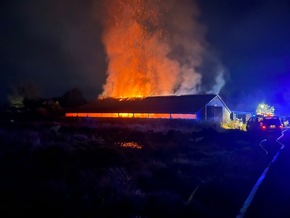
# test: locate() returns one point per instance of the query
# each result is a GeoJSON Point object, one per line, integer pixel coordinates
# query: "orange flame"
{"type": "Point", "coordinates": [137, 49]}
{"type": "Point", "coordinates": [142, 49]}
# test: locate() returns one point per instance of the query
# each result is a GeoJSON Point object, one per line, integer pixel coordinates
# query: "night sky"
{"type": "Point", "coordinates": [57, 45]}
{"type": "Point", "coordinates": [253, 41]}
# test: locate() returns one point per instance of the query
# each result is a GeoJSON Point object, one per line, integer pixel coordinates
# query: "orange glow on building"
{"type": "Point", "coordinates": [141, 115]}
{"type": "Point", "coordinates": [125, 115]}
{"type": "Point", "coordinates": [134, 115]}
{"type": "Point", "coordinates": [183, 116]}
{"type": "Point", "coordinates": [159, 116]}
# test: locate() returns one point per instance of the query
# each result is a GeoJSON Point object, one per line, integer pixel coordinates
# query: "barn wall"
{"type": "Point", "coordinates": [226, 115]}
{"type": "Point", "coordinates": [226, 112]}
{"type": "Point", "coordinates": [205, 114]}
{"type": "Point", "coordinates": [214, 111]}
{"type": "Point", "coordinates": [216, 102]}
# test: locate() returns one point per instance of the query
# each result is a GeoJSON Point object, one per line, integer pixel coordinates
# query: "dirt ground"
{"type": "Point", "coordinates": [65, 169]}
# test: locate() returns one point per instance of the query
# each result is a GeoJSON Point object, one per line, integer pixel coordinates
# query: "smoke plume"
{"type": "Point", "coordinates": [155, 47]}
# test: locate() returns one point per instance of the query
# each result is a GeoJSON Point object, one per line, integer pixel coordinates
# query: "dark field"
{"type": "Point", "coordinates": [107, 169]}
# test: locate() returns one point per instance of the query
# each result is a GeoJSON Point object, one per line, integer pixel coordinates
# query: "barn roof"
{"type": "Point", "coordinates": [152, 104]}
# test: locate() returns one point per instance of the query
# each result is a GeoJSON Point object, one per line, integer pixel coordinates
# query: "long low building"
{"type": "Point", "coordinates": [207, 107]}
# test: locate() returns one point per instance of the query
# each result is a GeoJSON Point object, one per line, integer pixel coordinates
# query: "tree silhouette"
{"type": "Point", "coordinates": [23, 93]}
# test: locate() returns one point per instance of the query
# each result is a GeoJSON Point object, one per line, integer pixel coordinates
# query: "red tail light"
{"type": "Point", "coordinates": [264, 127]}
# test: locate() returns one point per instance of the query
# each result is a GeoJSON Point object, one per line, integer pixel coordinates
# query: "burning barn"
{"type": "Point", "coordinates": [208, 107]}
{"type": "Point", "coordinates": [154, 48]}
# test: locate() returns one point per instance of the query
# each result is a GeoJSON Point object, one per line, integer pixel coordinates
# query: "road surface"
{"type": "Point", "coordinates": [272, 196]}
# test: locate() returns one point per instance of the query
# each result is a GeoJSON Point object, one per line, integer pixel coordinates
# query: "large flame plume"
{"type": "Point", "coordinates": [154, 47]}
